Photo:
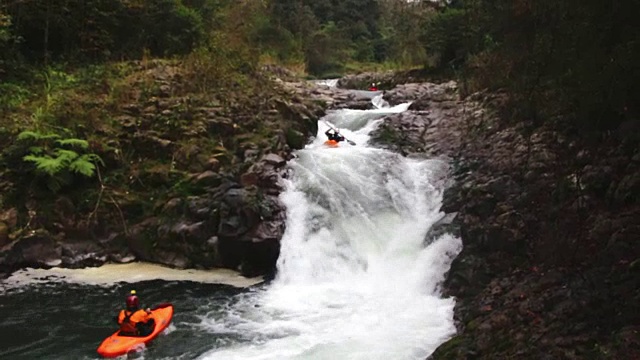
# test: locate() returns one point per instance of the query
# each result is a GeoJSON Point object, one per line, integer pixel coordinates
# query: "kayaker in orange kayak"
{"type": "Point", "coordinates": [134, 321]}
{"type": "Point", "coordinates": [334, 135]}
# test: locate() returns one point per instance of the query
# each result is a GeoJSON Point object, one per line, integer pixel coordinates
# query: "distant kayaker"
{"type": "Point", "coordinates": [373, 87]}
{"type": "Point", "coordinates": [134, 321]}
{"type": "Point", "coordinates": [334, 135]}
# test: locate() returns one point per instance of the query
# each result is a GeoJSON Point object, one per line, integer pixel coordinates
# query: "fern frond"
{"type": "Point", "coordinates": [83, 166]}
{"type": "Point", "coordinates": [25, 135]}
{"type": "Point", "coordinates": [36, 150]}
{"type": "Point", "coordinates": [84, 144]}
{"type": "Point", "coordinates": [31, 158]}
{"type": "Point", "coordinates": [50, 136]}
{"type": "Point", "coordinates": [34, 135]}
{"type": "Point", "coordinates": [94, 158]}
{"type": "Point", "coordinates": [65, 156]}
{"type": "Point", "coordinates": [46, 164]}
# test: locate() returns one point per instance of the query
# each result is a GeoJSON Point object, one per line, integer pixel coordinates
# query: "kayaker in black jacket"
{"type": "Point", "coordinates": [334, 135]}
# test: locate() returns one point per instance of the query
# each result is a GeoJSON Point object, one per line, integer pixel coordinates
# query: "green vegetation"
{"type": "Point", "coordinates": [569, 62]}
{"type": "Point", "coordinates": [57, 158]}
{"type": "Point", "coordinates": [319, 37]}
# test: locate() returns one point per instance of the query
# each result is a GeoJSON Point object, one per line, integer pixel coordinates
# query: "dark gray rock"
{"type": "Point", "coordinates": [35, 249]}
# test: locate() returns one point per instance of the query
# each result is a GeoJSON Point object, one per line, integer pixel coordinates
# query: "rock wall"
{"type": "Point", "coordinates": [549, 222]}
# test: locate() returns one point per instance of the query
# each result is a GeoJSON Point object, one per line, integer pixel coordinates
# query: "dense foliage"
{"type": "Point", "coordinates": [323, 35]}
{"type": "Point", "coordinates": [567, 61]}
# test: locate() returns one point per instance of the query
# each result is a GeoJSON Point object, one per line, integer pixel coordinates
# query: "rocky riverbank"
{"type": "Point", "coordinates": [190, 177]}
{"type": "Point", "coordinates": [549, 222]}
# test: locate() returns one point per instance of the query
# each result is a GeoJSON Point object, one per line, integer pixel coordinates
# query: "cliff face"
{"type": "Point", "coordinates": [549, 223]}
{"type": "Point", "coordinates": [190, 177]}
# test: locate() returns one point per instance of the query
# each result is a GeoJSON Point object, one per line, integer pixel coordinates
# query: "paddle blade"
{"type": "Point", "coordinates": [351, 142]}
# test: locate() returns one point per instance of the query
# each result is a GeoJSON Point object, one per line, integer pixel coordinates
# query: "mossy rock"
{"type": "Point", "coordinates": [295, 139]}
{"type": "Point", "coordinates": [458, 347]}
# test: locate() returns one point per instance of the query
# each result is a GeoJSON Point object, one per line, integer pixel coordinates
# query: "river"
{"type": "Point", "coordinates": [358, 277]}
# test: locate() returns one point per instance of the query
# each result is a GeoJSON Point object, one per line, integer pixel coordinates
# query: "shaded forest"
{"type": "Point", "coordinates": [565, 61]}
{"type": "Point", "coordinates": [322, 36]}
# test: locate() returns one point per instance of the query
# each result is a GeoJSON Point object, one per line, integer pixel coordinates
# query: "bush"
{"type": "Point", "coordinates": [57, 159]}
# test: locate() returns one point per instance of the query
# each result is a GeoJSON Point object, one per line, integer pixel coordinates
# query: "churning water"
{"type": "Point", "coordinates": [357, 277]}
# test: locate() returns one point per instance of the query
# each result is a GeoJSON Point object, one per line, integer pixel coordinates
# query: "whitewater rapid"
{"type": "Point", "coordinates": [357, 276]}
{"type": "Point", "coordinates": [358, 273]}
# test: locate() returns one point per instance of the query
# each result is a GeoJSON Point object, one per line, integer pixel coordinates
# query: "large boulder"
{"type": "Point", "coordinates": [36, 249]}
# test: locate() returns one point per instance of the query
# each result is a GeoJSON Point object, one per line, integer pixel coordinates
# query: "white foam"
{"type": "Point", "coordinates": [110, 274]}
{"type": "Point", "coordinates": [328, 82]}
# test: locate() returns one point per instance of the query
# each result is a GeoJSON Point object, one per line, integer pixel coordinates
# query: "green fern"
{"type": "Point", "coordinates": [29, 135]}
{"type": "Point", "coordinates": [56, 162]}
{"type": "Point", "coordinates": [66, 156]}
{"type": "Point", "coordinates": [83, 166]}
{"type": "Point", "coordinates": [34, 135]}
{"type": "Point", "coordinates": [36, 149]}
{"type": "Point", "coordinates": [84, 144]}
{"type": "Point", "coordinates": [46, 164]}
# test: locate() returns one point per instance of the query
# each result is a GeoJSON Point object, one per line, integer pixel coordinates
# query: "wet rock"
{"type": "Point", "coordinates": [269, 230]}
{"type": "Point", "coordinates": [266, 174]}
{"type": "Point", "coordinates": [78, 254]}
{"type": "Point", "coordinates": [172, 206]}
{"type": "Point", "coordinates": [260, 258]}
{"type": "Point", "coordinates": [445, 225]}
{"type": "Point", "coordinates": [251, 155]}
{"type": "Point", "coordinates": [423, 95]}
{"type": "Point", "coordinates": [295, 139]}
{"type": "Point", "coordinates": [363, 81]}
{"type": "Point", "coordinates": [142, 238]}
{"type": "Point", "coordinates": [300, 114]}
{"type": "Point", "coordinates": [173, 259]}
{"type": "Point", "coordinates": [273, 159]}
{"type": "Point", "coordinates": [208, 179]}
{"type": "Point", "coordinates": [36, 249]}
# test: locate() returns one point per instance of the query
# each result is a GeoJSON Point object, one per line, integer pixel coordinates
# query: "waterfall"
{"type": "Point", "coordinates": [357, 276]}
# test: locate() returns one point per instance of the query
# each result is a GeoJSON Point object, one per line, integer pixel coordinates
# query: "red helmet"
{"type": "Point", "coordinates": [132, 300]}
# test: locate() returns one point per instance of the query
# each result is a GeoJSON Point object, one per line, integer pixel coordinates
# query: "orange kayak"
{"type": "Point", "coordinates": [331, 143]}
{"type": "Point", "coordinates": [116, 345]}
